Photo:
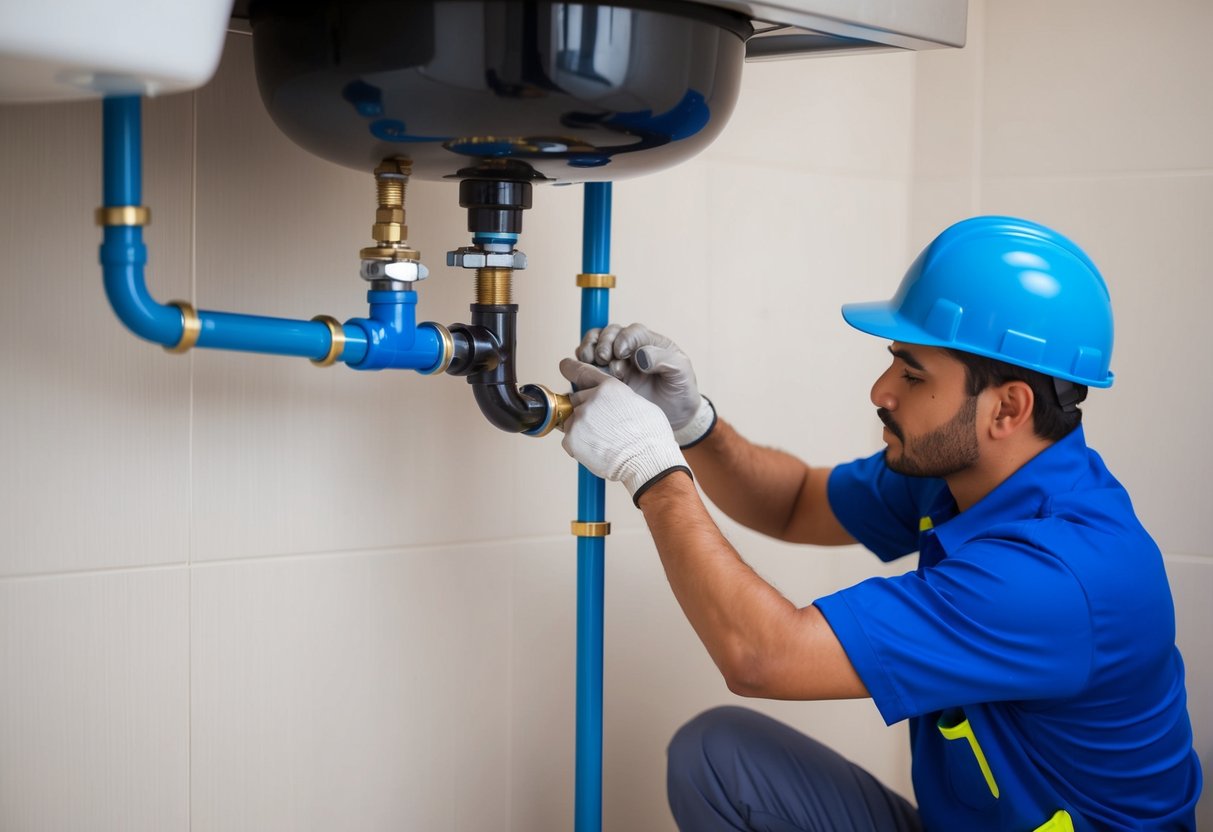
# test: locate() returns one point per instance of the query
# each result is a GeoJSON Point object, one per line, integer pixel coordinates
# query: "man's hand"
{"type": "Point", "coordinates": [653, 366]}
{"type": "Point", "coordinates": [615, 433]}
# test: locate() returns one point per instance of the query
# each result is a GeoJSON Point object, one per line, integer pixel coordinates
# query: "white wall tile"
{"type": "Point", "coordinates": [354, 692]}
{"type": "Point", "coordinates": [934, 205]}
{"type": "Point", "coordinates": [947, 105]}
{"type": "Point", "coordinates": [847, 114]}
{"type": "Point", "coordinates": [1096, 86]}
{"type": "Point", "coordinates": [94, 702]}
{"type": "Point", "coordinates": [94, 422]}
{"type": "Point", "coordinates": [1144, 234]}
{"type": "Point", "coordinates": [777, 358]}
{"type": "Point", "coordinates": [542, 680]}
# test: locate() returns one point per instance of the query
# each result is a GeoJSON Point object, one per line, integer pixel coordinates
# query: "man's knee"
{"type": "Point", "coordinates": [712, 731]}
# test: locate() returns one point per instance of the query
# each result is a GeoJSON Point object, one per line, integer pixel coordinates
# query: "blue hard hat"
{"type": "Point", "coordinates": [1005, 288]}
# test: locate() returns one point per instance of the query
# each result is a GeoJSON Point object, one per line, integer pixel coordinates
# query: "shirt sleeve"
{"type": "Point", "coordinates": [879, 507]}
{"type": "Point", "coordinates": [1000, 620]}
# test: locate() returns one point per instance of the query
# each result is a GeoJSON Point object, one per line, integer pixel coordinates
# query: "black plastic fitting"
{"type": "Point", "coordinates": [484, 352]}
{"type": "Point", "coordinates": [476, 350]}
{"type": "Point", "coordinates": [494, 206]}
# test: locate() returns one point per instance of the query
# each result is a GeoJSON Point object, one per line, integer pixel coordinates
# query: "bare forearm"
{"type": "Point", "coordinates": [765, 489]}
{"type": "Point", "coordinates": [762, 643]}
{"type": "Point", "coordinates": [754, 485]}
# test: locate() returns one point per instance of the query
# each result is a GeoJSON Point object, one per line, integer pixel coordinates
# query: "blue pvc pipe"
{"type": "Point", "coordinates": [123, 153]}
{"type": "Point", "coordinates": [393, 339]}
{"type": "Point", "coordinates": [123, 254]}
{"type": "Point", "coordinates": [591, 507]}
{"type": "Point", "coordinates": [388, 338]}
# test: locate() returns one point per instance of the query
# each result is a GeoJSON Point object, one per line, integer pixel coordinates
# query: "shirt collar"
{"type": "Point", "coordinates": [1019, 496]}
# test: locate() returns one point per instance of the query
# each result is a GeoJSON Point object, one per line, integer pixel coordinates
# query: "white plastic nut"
{"type": "Point", "coordinates": [406, 271]}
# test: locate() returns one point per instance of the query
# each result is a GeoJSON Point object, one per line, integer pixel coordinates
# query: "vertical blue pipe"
{"type": "Point", "coordinates": [591, 507]}
{"type": "Point", "coordinates": [122, 169]}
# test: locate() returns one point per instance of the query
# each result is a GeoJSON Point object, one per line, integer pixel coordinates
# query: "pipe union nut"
{"type": "Point", "coordinates": [406, 271]}
{"type": "Point", "coordinates": [477, 258]}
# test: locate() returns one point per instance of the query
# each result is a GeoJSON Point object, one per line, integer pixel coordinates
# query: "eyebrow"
{"type": "Point", "coordinates": [908, 357]}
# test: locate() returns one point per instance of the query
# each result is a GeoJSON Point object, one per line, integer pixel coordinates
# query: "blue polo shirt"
{"type": "Point", "coordinates": [1033, 649]}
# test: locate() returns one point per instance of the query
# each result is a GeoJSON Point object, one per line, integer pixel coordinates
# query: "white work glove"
{"type": "Point", "coordinates": [615, 433]}
{"type": "Point", "coordinates": [653, 366]}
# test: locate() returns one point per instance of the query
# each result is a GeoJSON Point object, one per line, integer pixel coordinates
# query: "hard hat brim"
{"type": "Point", "coordinates": [880, 318]}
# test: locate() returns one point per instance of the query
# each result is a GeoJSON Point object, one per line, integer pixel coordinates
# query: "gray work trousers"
{"type": "Point", "coordinates": [735, 769]}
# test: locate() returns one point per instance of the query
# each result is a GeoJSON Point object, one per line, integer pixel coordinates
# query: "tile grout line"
{"type": "Point", "coordinates": [979, 104]}
{"type": "Point", "coordinates": [189, 469]}
{"type": "Point", "coordinates": [403, 549]}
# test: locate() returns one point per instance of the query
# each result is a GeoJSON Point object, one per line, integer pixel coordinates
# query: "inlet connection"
{"type": "Point", "coordinates": [484, 349]}
{"type": "Point", "coordinates": [391, 261]}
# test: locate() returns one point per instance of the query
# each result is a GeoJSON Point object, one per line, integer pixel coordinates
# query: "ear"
{"type": "Point", "coordinates": [1012, 412]}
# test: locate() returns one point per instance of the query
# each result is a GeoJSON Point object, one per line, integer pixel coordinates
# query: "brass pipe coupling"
{"type": "Point", "coordinates": [560, 407]}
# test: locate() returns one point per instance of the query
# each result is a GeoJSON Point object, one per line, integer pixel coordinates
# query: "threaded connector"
{"type": "Point", "coordinates": [391, 189]}
{"type": "Point", "coordinates": [494, 286]}
{"type": "Point", "coordinates": [391, 181]}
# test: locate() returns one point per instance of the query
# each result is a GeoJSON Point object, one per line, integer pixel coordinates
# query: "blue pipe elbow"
{"type": "Point", "coordinates": [123, 256]}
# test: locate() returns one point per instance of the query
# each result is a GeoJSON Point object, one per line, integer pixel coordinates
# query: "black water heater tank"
{"type": "Point", "coordinates": [500, 89]}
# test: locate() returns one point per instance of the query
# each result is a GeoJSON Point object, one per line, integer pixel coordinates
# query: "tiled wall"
{"type": "Point", "coordinates": [242, 593]}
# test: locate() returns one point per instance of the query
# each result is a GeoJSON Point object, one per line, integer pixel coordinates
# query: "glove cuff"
{"type": "Point", "coordinates": [642, 489]}
{"type": "Point", "coordinates": [647, 467]}
{"type": "Point", "coordinates": [701, 424]}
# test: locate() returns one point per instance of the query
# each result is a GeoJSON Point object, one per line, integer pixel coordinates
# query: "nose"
{"type": "Point", "coordinates": [882, 391]}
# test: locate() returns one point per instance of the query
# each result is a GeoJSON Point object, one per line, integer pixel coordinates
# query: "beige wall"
{"type": "Point", "coordinates": [241, 593]}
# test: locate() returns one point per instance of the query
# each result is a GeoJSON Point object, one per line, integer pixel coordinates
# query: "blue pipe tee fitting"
{"type": "Point", "coordinates": [393, 338]}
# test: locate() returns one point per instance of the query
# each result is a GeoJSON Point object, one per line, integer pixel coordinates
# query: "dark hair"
{"type": "Point", "coordinates": [1049, 419]}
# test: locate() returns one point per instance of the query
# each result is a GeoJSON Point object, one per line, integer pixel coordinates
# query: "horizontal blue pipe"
{"type": "Point", "coordinates": [274, 336]}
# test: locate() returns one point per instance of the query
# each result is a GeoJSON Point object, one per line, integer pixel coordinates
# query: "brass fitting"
{"type": "Point", "coordinates": [564, 409]}
{"type": "Point", "coordinates": [191, 327]}
{"type": "Point", "coordinates": [596, 281]}
{"type": "Point", "coordinates": [494, 286]}
{"type": "Point", "coordinates": [560, 407]}
{"type": "Point", "coordinates": [389, 231]}
{"type": "Point", "coordinates": [590, 529]}
{"type": "Point", "coordinates": [123, 215]}
{"type": "Point", "coordinates": [336, 340]}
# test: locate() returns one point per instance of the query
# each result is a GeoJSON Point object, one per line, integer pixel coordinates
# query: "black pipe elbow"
{"type": "Point", "coordinates": [506, 408]}
{"type": "Point", "coordinates": [484, 352]}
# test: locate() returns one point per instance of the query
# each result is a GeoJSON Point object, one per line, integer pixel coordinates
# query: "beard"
{"type": "Point", "coordinates": [949, 449]}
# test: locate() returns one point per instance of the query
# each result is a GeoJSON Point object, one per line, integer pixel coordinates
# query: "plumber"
{"type": "Point", "coordinates": [1032, 649]}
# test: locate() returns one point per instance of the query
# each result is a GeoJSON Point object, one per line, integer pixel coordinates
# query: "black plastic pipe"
{"type": "Point", "coordinates": [484, 352]}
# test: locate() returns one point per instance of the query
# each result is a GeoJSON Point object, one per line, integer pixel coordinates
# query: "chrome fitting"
{"type": "Point", "coordinates": [401, 271]}
{"type": "Point", "coordinates": [476, 257]}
